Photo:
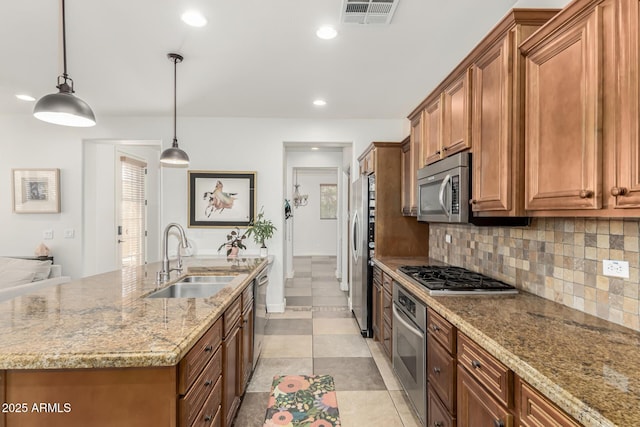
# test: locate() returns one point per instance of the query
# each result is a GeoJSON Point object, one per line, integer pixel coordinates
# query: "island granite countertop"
{"type": "Point", "coordinates": [105, 321]}
{"type": "Point", "coordinates": [587, 366]}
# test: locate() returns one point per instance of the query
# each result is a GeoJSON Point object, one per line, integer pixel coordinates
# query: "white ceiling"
{"type": "Point", "coordinates": [255, 58]}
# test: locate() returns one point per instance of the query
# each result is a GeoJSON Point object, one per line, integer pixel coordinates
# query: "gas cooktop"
{"type": "Point", "coordinates": [443, 280]}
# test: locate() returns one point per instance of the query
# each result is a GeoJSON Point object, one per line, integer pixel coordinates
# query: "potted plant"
{"type": "Point", "coordinates": [235, 242]}
{"type": "Point", "coordinates": [262, 230]}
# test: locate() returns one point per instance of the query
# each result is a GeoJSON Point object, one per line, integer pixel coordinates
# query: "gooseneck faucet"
{"type": "Point", "coordinates": [163, 275]}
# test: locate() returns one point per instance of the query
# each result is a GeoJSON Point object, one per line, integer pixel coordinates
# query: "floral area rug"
{"type": "Point", "coordinates": [302, 401]}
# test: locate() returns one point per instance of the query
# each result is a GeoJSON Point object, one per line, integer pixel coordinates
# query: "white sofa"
{"type": "Point", "coordinates": [22, 276]}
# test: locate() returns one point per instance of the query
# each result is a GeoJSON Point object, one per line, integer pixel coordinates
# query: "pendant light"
{"type": "Point", "coordinates": [174, 155]}
{"type": "Point", "coordinates": [64, 108]}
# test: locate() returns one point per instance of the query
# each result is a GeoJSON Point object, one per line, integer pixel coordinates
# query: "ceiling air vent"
{"type": "Point", "coordinates": [368, 11]}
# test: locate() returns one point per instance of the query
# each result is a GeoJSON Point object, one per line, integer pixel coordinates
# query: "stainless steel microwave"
{"type": "Point", "coordinates": [444, 190]}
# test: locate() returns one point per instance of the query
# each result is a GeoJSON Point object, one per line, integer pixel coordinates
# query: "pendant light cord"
{"type": "Point", "coordinates": [175, 102]}
{"type": "Point", "coordinates": [64, 44]}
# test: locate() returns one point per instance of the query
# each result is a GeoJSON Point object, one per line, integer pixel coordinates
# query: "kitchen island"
{"type": "Point", "coordinates": [117, 351]}
{"type": "Point", "coordinates": [588, 367]}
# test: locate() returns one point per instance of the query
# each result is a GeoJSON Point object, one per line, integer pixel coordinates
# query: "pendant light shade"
{"type": "Point", "coordinates": [174, 155]}
{"type": "Point", "coordinates": [64, 108]}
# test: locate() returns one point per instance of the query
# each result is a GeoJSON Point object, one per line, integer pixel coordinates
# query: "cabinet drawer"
{"type": "Point", "coordinates": [441, 368]}
{"type": "Point", "coordinates": [247, 296]}
{"type": "Point", "coordinates": [443, 331]}
{"type": "Point", "coordinates": [231, 316]}
{"type": "Point", "coordinates": [377, 274]}
{"type": "Point", "coordinates": [437, 413]}
{"type": "Point", "coordinates": [197, 358]}
{"type": "Point", "coordinates": [190, 405]}
{"type": "Point", "coordinates": [535, 410]}
{"type": "Point", "coordinates": [488, 371]}
{"type": "Point", "coordinates": [476, 407]}
{"type": "Point", "coordinates": [387, 283]}
{"type": "Point", "coordinates": [211, 413]}
{"type": "Point", "coordinates": [387, 304]}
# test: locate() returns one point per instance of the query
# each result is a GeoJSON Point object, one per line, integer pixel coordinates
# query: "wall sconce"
{"type": "Point", "coordinates": [299, 199]}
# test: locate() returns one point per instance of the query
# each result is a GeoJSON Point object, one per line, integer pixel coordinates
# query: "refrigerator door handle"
{"type": "Point", "coordinates": [354, 235]}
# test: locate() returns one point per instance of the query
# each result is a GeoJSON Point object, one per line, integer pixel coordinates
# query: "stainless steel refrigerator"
{"type": "Point", "coordinates": [362, 247]}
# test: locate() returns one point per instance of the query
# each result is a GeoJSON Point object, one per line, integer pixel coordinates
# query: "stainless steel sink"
{"type": "Point", "coordinates": [193, 287]}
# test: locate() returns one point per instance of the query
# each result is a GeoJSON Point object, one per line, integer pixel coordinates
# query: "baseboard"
{"type": "Point", "coordinates": [277, 308]}
{"type": "Point", "coordinates": [344, 286]}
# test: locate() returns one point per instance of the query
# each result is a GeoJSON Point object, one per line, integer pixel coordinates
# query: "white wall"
{"type": "Point", "coordinates": [312, 235]}
{"type": "Point", "coordinates": [212, 144]}
{"type": "Point", "coordinates": [559, 4]}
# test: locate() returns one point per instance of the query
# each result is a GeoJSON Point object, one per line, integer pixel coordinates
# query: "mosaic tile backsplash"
{"type": "Point", "coordinates": [556, 258]}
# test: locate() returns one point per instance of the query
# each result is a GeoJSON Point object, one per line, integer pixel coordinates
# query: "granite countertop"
{"type": "Point", "coordinates": [105, 321]}
{"type": "Point", "coordinates": [587, 366]}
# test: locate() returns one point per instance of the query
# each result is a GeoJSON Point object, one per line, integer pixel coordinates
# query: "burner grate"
{"type": "Point", "coordinates": [453, 279]}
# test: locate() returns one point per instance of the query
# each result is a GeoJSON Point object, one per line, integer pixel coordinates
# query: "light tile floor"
{"type": "Point", "coordinates": [317, 334]}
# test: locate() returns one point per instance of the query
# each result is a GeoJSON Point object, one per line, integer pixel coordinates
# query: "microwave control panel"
{"type": "Point", "coordinates": [455, 194]}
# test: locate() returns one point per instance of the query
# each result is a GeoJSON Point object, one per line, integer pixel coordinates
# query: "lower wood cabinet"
{"type": "Point", "coordinates": [535, 410]}
{"type": "Point", "coordinates": [437, 414]}
{"type": "Point", "coordinates": [231, 353]}
{"type": "Point", "coordinates": [246, 332]}
{"type": "Point", "coordinates": [476, 407]}
{"type": "Point", "coordinates": [376, 307]}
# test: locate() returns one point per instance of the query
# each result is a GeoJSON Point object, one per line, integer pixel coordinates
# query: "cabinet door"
{"type": "Point", "coordinates": [476, 407]}
{"type": "Point", "coordinates": [417, 140]}
{"type": "Point", "coordinates": [246, 366]}
{"type": "Point", "coordinates": [564, 117]}
{"type": "Point", "coordinates": [376, 310]}
{"type": "Point", "coordinates": [457, 115]}
{"type": "Point", "coordinates": [625, 190]}
{"type": "Point", "coordinates": [536, 411]}
{"type": "Point", "coordinates": [432, 143]}
{"type": "Point", "coordinates": [230, 396]}
{"type": "Point", "coordinates": [492, 142]}
{"type": "Point", "coordinates": [409, 181]}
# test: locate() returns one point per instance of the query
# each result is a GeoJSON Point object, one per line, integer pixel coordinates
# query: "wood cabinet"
{"type": "Point", "coordinates": [409, 179]}
{"type": "Point", "coordinates": [456, 115]}
{"type": "Point", "coordinates": [231, 363]}
{"type": "Point", "coordinates": [534, 410]}
{"type": "Point", "coordinates": [498, 107]}
{"type": "Point", "coordinates": [441, 371]}
{"type": "Point", "coordinates": [390, 223]}
{"type": "Point", "coordinates": [485, 387]}
{"type": "Point", "coordinates": [582, 141]}
{"type": "Point", "coordinates": [432, 131]}
{"type": "Point", "coordinates": [367, 163]}
{"type": "Point", "coordinates": [246, 334]}
{"type": "Point", "coordinates": [376, 304]}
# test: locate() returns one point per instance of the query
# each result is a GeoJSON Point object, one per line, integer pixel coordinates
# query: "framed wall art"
{"type": "Point", "coordinates": [221, 199]}
{"type": "Point", "coordinates": [36, 190]}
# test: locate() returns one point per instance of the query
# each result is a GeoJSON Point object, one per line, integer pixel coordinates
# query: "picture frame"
{"type": "Point", "coordinates": [328, 201]}
{"type": "Point", "coordinates": [36, 190]}
{"type": "Point", "coordinates": [221, 199]}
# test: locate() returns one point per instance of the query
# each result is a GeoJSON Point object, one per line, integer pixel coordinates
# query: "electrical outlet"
{"type": "Point", "coordinates": [47, 234]}
{"type": "Point", "coordinates": [69, 233]}
{"type": "Point", "coordinates": [615, 268]}
{"type": "Point", "coordinates": [447, 238]}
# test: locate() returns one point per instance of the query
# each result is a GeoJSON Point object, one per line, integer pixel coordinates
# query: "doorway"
{"type": "Point", "coordinates": [131, 210]}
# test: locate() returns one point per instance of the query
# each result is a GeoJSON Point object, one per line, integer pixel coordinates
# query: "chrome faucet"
{"type": "Point", "coordinates": [163, 275]}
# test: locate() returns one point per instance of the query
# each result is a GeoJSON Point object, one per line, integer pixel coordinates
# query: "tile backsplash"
{"type": "Point", "coordinates": [556, 258]}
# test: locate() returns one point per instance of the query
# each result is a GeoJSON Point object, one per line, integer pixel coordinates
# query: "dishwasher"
{"type": "Point", "coordinates": [260, 312]}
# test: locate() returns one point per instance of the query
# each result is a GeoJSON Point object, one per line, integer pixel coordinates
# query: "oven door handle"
{"type": "Point", "coordinates": [411, 328]}
{"type": "Point", "coordinates": [443, 186]}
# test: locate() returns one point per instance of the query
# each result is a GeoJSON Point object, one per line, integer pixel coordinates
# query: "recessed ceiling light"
{"type": "Point", "coordinates": [314, 148]}
{"type": "Point", "coordinates": [194, 18]}
{"type": "Point", "coordinates": [24, 97]}
{"type": "Point", "coordinates": [326, 32]}
{"type": "Point", "coordinates": [319, 102]}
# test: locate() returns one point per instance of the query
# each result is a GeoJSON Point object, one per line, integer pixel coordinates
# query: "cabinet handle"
{"type": "Point", "coordinates": [618, 191]}
{"type": "Point", "coordinates": [473, 202]}
{"type": "Point", "coordinates": [498, 423]}
{"type": "Point", "coordinates": [475, 364]}
{"type": "Point", "coordinates": [207, 383]}
{"type": "Point", "coordinates": [586, 194]}
{"type": "Point", "coordinates": [438, 424]}
{"type": "Point", "coordinates": [438, 153]}
{"type": "Point", "coordinates": [435, 328]}
{"type": "Point", "coordinates": [208, 348]}
{"type": "Point", "coordinates": [436, 370]}
{"type": "Point", "coordinates": [208, 418]}
{"type": "Point", "coordinates": [445, 149]}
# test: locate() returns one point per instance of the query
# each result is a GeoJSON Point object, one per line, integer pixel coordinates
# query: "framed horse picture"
{"type": "Point", "coordinates": [221, 199]}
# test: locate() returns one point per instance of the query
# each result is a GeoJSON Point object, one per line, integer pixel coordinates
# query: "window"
{"type": "Point", "coordinates": [132, 228]}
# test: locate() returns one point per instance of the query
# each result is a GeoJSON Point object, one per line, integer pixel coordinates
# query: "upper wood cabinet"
{"type": "Point", "coordinates": [498, 128]}
{"type": "Point", "coordinates": [582, 103]}
{"type": "Point", "coordinates": [408, 183]}
{"type": "Point", "coordinates": [389, 220]}
{"type": "Point", "coordinates": [456, 115]}
{"type": "Point", "coordinates": [432, 131]}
